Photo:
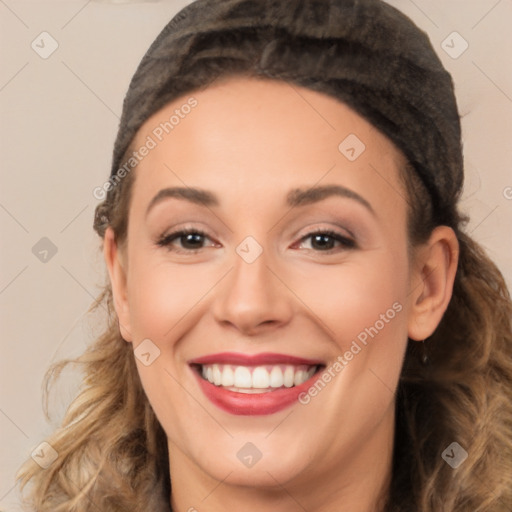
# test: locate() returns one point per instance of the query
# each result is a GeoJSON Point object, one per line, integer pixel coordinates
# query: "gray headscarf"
{"type": "Point", "coordinates": [365, 53]}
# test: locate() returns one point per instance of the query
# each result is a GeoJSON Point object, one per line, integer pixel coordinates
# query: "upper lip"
{"type": "Point", "coordinates": [236, 358]}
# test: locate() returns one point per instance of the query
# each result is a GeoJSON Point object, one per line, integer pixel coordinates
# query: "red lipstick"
{"type": "Point", "coordinates": [267, 401]}
{"type": "Point", "coordinates": [253, 359]}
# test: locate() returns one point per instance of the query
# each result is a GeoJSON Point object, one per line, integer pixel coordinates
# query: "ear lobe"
{"type": "Point", "coordinates": [117, 275]}
{"type": "Point", "coordinates": [436, 266]}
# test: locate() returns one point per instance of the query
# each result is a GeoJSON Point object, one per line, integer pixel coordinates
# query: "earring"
{"type": "Point", "coordinates": [424, 357]}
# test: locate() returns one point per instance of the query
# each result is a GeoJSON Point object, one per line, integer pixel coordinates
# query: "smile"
{"type": "Point", "coordinates": [254, 384]}
{"type": "Point", "coordinates": [257, 379]}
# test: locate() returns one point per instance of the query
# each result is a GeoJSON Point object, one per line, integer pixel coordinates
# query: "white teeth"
{"type": "Point", "coordinates": [260, 378]}
{"type": "Point", "coordinates": [217, 375]}
{"type": "Point", "coordinates": [249, 391]}
{"type": "Point", "coordinates": [228, 377]}
{"type": "Point", "coordinates": [288, 377]}
{"type": "Point", "coordinates": [276, 378]}
{"type": "Point", "coordinates": [242, 377]}
{"type": "Point", "coordinates": [257, 379]}
{"type": "Point", "coordinates": [299, 377]}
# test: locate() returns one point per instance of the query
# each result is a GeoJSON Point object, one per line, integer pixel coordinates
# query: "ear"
{"type": "Point", "coordinates": [117, 274]}
{"type": "Point", "coordinates": [434, 272]}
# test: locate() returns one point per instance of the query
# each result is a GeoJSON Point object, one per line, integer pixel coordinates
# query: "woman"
{"type": "Point", "coordinates": [298, 320]}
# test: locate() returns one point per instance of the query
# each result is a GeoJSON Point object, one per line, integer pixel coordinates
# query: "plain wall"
{"type": "Point", "coordinates": [59, 118]}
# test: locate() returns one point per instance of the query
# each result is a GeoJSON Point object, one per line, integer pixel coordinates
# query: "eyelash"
{"type": "Point", "coordinates": [166, 240]}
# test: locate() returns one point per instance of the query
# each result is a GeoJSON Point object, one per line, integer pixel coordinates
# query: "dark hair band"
{"type": "Point", "coordinates": [365, 53]}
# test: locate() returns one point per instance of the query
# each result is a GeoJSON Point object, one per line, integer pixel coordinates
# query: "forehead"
{"type": "Point", "coordinates": [260, 135]}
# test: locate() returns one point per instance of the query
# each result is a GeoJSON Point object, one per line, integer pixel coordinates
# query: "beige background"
{"type": "Point", "coordinates": [58, 122]}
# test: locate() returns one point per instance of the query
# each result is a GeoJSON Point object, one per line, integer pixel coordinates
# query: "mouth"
{"type": "Point", "coordinates": [254, 384]}
{"type": "Point", "coordinates": [256, 379]}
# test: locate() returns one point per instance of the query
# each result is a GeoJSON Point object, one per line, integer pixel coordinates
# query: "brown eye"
{"type": "Point", "coordinates": [325, 240]}
{"type": "Point", "coordinates": [189, 240]}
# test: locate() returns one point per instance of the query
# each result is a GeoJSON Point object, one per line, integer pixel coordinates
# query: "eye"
{"type": "Point", "coordinates": [191, 240]}
{"type": "Point", "coordinates": [324, 240]}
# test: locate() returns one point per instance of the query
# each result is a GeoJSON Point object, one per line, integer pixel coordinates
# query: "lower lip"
{"type": "Point", "coordinates": [258, 404]}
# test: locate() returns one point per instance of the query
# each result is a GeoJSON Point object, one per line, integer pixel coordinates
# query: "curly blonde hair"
{"type": "Point", "coordinates": [112, 451]}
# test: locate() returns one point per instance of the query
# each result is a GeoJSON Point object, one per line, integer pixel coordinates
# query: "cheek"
{"type": "Point", "coordinates": [372, 328]}
{"type": "Point", "coordinates": [344, 299]}
{"type": "Point", "coordinates": [352, 297]}
{"type": "Point", "coordinates": [362, 308]}
{"type": "Point", "coordinates": [162, 296]}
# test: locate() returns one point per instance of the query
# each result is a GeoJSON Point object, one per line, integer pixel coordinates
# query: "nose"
{"type": "Point", "coordinates": [253, 298]}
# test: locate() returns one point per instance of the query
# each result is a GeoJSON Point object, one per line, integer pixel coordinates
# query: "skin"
{"type": "Point", "coordinates": [249, 142]}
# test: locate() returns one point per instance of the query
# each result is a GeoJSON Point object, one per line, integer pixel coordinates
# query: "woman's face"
{"type": "Point", "coordinates": [241, 166]}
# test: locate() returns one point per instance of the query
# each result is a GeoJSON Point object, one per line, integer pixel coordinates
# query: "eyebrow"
{"type": "Point", "coordinates": [302, 197]}
{"type": "Point", "coordinates": [295, 197]}
{"type": "Point", "coordinates": [193, 195]}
